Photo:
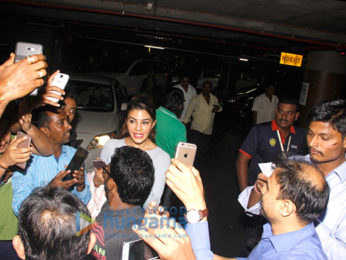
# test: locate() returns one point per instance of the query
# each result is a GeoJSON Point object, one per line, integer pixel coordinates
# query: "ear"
{"type": "Point", "coordinates": [153, 124]}
{"type": "Point", "coordinates": [345, 142]}
{"type": "Point", "coordinates": [297, 116]}
{"type": "Point", "coordinates": [44, 130]}
{"type": "Point", "coordinates": [18, 246]}
{"type": "Point", "coordinates": [92, 242]}
{"type": "Point", "coordinates": [287, 208]}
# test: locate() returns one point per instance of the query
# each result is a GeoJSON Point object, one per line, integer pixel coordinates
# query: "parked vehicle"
{"type": "Point", "coordinates": [99, 116]}
{"type": "Point", "coordinates": [132, 77]}
{"type": "Point", "coordinates": [209, 74]}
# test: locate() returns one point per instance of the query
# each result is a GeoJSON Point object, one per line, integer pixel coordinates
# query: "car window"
{"type": "Point", "coordinates": [91, 96]}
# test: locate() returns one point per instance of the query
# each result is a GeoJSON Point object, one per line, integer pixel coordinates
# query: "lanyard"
{"type": "Point", "coordinates": [281, 145]}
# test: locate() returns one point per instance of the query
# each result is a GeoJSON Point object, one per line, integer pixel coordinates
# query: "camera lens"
{"type": "Point", "coordinates": [28, 48]}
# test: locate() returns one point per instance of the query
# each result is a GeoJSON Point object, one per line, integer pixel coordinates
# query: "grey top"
{"type": "Point", "coordinates": [161, 161]}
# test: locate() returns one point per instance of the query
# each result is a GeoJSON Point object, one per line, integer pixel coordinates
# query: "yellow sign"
{"type": "Point", "coordinates": [291, 59]}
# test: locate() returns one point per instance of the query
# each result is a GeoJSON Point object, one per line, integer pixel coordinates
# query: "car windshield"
{"type": "Point", "coordinates": [91, 96]}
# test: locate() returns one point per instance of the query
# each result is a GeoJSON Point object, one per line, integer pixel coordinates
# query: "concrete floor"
{"type": "Point", "coordinates": [218, 172]}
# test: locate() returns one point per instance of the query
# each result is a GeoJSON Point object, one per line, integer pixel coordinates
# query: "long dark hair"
{"type": "Point", "coordinates": [140, 103]}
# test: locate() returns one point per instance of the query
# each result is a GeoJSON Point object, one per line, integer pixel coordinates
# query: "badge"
{"type": "Point", "coordinates": [272, 142]}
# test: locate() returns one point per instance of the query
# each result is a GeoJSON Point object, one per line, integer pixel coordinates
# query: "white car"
{"type": "Point", "coordinates": [212, 75]}
{"type": "Point", "coordinates": [98, 112]}
{"type": "Point", "coordinates": [132, 77]}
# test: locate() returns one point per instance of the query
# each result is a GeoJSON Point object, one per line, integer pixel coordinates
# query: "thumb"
{"type": "Point", "coordinates": [10, 60]}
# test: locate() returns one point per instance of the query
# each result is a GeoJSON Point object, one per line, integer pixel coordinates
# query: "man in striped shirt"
{"type": "Point", "coordinates": [50, 170]}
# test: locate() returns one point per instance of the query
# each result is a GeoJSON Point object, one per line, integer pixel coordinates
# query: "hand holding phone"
{"type": "Point", "coordinates": [76, 162]}
{"type": "Point", "coordinates": [186, 153]}
{"type": "Point", "coordinates": [25, 49]}
{"type": "Point", "coordinates": [60, 80]}
{"type": "Point", "coordinates": [18, 152]}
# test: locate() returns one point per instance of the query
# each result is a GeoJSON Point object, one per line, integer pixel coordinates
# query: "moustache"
{"type": "Point", "coordinates": [283, 121]}
{"type": "Point", "coordinates": [316, 151]}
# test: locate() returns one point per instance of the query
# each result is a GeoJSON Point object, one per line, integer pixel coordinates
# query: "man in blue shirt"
{"type": "Point", "coordinates": [50, 170]}
{"type": "Point", "coordinates": [294, 196]}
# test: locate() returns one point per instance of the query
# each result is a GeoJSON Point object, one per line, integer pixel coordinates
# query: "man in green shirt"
{"type": "Point", "coordinates": [169, 130]}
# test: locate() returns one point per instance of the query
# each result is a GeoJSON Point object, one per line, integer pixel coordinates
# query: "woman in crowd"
{"type": "Point", "coordinates": [137, 131]}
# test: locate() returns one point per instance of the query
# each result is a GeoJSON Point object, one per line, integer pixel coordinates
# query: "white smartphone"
{"type": "Point", "coordinates": [24, 49]}
{"type": "Point", "coordinates": [60, 80]}
{"type": "Point", "coordinates": [186, 153]}
{"type": "Point", "coordinates": [139, 250]}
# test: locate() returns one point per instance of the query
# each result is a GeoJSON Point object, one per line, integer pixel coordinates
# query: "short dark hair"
{"type": "Point", "coordinates": [40, 117]}
{"type": "Point", "coordinates": [133, 172]}
{"type": "Point", "coordinates": [289, 101]}
{"type": "Point", "coordinates": [332, 112]}
{"type": "Point", "coordinates": [47, 225]}
{"type": "Point", "coordinates": [173, 100]}
{"type": "Point", "coordinates": [310, 199]}
{"type": "Point", "coordinates": [140, 103]}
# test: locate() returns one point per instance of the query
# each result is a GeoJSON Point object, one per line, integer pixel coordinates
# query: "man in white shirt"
{"type": "Point", "coordinates": [202, 108]}
{"type": "Point", "coordinates": [326, 139]}
{"type": "Point", "coordinates": [264, 106]}
{"type": "Point", "coordinates": [188, 91]}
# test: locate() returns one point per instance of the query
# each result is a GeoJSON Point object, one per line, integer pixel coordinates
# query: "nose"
{"type": "Point", "coordinates": [68, 125]}
{"type": "Point", "coordinates": [313, 141]}
{"type": "Point", "coordinates": [138, 126]}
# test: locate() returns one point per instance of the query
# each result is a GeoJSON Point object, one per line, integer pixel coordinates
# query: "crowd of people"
{"type": "Point", "coordinates": [292, 182]}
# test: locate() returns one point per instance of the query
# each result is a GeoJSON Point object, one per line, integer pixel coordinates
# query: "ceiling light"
{"type": "Point", "coordinates": [154, 47]}
{"type": "Point", "coordinates": [243, 59]}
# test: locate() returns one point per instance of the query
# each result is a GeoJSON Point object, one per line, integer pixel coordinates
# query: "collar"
{"type": "Point", "coordinates": [340, 171]}
{"type": "Point", "coordinates": [167, 112]}
{"type": "Point", "coordinates": [287, 241]}
{"type": "Point", "coordinates": [275, 127]}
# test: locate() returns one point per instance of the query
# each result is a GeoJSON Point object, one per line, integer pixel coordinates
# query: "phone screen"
{"type": "Point", "coordinates": [138, 250]}
{"type": "Point", "coordinates": [76, 162]}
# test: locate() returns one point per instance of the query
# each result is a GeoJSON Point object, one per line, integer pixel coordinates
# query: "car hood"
{"type": "Point", "coordinates": [95, 123]}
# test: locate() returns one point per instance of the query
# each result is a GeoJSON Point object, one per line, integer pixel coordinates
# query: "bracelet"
{"type": "Point", "coordinates": [3, 166]}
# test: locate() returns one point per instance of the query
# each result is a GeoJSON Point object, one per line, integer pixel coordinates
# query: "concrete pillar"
{"type": "Point", "coordinates": [326, 75]}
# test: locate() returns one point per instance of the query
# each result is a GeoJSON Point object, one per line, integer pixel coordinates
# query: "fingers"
{"type": "Point", "coordinates": [51, 77]}
{"type": "Point", "coordinates": [50, 88]}
{"type": "Point", "coordinates": [15, 142]}
{"type": "Point", "coordinates": [62, 174]}
{"type": "Point", "coordinates": [38, 82]}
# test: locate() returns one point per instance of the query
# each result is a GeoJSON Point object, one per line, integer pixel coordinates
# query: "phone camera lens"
{"type": "Point", "coordinates": [28, 48]}
{"type": "Point", "coordinates": [61, 76]}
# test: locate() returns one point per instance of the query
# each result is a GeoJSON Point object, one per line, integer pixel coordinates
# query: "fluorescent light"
{"type": "Point", "coordinates": [243, 59]}
{"type": "Point", "coordinates": [154, 47]}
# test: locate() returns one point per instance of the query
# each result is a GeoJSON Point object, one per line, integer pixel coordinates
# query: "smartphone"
{"type": "Point", "coordinates": [23, 50]}
{"type": "Point", "coordinates": [76, 162]}
{"type": "Point", "coordinates": [99, 164]}
{"type": "Point", "coordinates": [186, 153]}
{"type": "Point", "coordinates": [60, 80]}
{"type": "Point", "coordinates": [25, 144]}
{"type": "Point", "coordinates": [138, 250]}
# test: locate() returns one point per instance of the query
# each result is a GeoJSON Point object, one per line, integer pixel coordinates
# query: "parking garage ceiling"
{"type": "Point", "coordinates": [291, 25]}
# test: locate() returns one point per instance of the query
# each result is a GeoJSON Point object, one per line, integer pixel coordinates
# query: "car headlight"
{"type": "Point", "coordinates": [100, 140]}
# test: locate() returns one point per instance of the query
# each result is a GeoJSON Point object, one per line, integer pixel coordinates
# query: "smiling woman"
{"type": "Point", "coordinates": [137, 131]}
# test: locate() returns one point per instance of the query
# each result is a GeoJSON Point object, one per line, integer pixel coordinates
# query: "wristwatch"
{"type": "Point", "coordinates": [193, 216]}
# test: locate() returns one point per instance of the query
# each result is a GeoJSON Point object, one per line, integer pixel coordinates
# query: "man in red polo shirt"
{"type": "Point", "coordinates": [265, 141]}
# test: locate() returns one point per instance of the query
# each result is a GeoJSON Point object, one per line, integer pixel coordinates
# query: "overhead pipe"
{"type": "Point", "coordinates": [168, 19]}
